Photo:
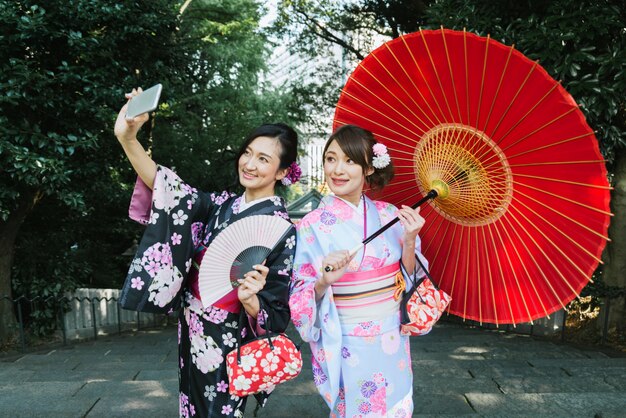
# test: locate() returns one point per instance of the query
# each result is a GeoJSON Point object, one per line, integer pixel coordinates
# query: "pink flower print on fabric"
{"type": "Point", "coordinates": [195, 325]}
{"type": "Point", "coordinates": [372, 262]}
{"type": "Point", "coordinates": [222, 386]}
{"type": "Point", "coordinates": [196, 233]}
{"type": "Point", "coordinates": [311, 218]}
{"type": "Point", "coordinates": [366, 329]}
{"type": "Point", "coordinates": [379, 401]}
{"type": "Point", "coordinates": [156, 257]}
{"type": "Point", "coordinates": [328, 218]}
{"type": "Point", "coordinates": [307, 270]}
{"type": "Point", "coordinates": [390, 342]}
{"type": "Point", "coordinates": [205, 353]}
{"type": "Point", "coordinates": [383, 207]}
{"type": "Point", "coordinates": [281, 214]}
{"type": "Point", "coordinates": [136, 283]}
{"type": "Point", "coordinates": [215, 315]}
{"type": "Point", "coordinates": [341, 209]}
{"type": "Point", "coordinates": [221, 198]}
{"type": "Point", "coordinates": [186, 409]}
{"type": "Point", "coordinates": [300, 304]}
{"type": "Point", "coordinates": [176, 238]}
{"type": "Point", "coordinates": [227, 409]}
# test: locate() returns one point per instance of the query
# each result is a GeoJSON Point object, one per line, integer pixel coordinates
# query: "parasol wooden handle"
{"type": "Point", "coordinates": [430, 195]}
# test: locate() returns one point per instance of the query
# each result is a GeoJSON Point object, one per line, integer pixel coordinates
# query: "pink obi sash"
{"type": "Point", "coordinates": [368, 295]}
{"type": "Point", "coordinates": [229, 303]}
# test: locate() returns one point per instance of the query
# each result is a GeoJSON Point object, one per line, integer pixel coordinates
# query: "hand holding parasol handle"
{"type": "Point", "coordinates": [430, 195]}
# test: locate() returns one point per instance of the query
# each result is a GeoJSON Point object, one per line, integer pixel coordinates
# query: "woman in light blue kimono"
{"type": "Point", "coordinates": [350, 315]}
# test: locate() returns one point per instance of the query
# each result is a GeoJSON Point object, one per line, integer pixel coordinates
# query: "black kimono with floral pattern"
{"type": "Point", "coordinates": [180, 222]}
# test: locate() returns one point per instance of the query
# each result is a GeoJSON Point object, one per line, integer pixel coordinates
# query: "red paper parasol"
{"type": "Point", "coordinates": [523, 208]}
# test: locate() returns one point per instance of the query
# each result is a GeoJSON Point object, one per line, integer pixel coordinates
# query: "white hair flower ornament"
{"type": "Point", "coordinates": [381, 157]}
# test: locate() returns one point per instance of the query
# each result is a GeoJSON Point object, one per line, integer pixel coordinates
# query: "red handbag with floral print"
{"type": "Point", "coordinates": [422, 305]}
{"type": "Point", "coordinates": [261, 364]}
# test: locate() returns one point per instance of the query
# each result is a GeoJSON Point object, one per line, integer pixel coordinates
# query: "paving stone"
{"type": "Point", "coordinates": [143, 389]}
{"type": "Point", "coordinates": [107, 406]}
{"type": "Point", "coordinates": [530, 405]}
{"type": "Point", "coordinates": [44, 399]}
{"type": "Point", "coordinates": [434, 404]}
{"type": "Point", "coordinates": [434, 385]}
{"type": "Point", "coordinates": [543, 385]}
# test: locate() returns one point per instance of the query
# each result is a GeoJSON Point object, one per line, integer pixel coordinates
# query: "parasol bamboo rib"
{"type": "Point", "coordinates": [539, 129]}
{"type": "Point", "coordinates": [469, 250]}
{"type": "Point", "coordinates": [541, 250]}
{"type": "Point", "coordinates": [489, 272]}
{"type": "Point", "coordinates": [434, 67]}
{"type": "Point", "coordinates": [519, 90]}
{"type": "Point", "coordinates": [376, 123]}
{"type": "Point", "coordinates": [445, 46]}
{"type": "Point", "coordinates": [545, 278]}
{"type": "Point", "coordinates": [514, 271]}
{"type": "Point", "coordinates": [482, 81]}
{"type": "Point", "coordinates": [565, 141]}
{"type": "Point", "coordinates": [575, 202]}
{"type": "Point", "coordinates": [426, 228]}
{"type": "Point", "coordinates": [478, 269]}
{"type": "Point", "coordinates": [456, 264]}
{"type": "Point", "coordinates": [559, 163]}
{"type": "Point", "coordinates": [467, 95]}
{"type": "Point", "coordinates": [574, 221]}
{"type": "Point", "coordinates": [508, 297]}
{"type": "Point", "coordinates": [401, 191]}
{"type": "Point", "coordinates": [392, 94]}
{"type": "Point", "coordinates": [423, 78]}
{"type": "Point", "coordinates": [493, 101]}
{"type": "Point", "coordinates": [534, 132]}
{"type": "Point", "coordinates": [559, 230]}
{"type": "Point", "coordinates": [397, 82]}
{"type": "Point", "coordinates": [531, 110]}
{"type": "Point", "coordinates": [375, 109]}
{"type": "Point", "coordinates": [408, 76]}
{"type": "Point", "coordinates": [574, 183]}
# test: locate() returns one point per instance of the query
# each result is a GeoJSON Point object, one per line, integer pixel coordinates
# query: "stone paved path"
{"type": "Point", "coordinates": [459, 372]}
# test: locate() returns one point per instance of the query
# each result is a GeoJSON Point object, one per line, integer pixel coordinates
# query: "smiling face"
{"type": "Point", "coordinates": [345, 177]}
{"type": "Point", "coordinates": [259, 167]}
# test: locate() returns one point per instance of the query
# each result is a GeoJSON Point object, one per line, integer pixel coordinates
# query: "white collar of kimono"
{"type": "Point", "coordinates": [358, 209]}
{"type": "Point", "coordinates": [244, 204]}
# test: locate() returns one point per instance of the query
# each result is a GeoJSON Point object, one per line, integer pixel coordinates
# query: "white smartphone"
{"type": "Point", "coordinates": [145, 102]}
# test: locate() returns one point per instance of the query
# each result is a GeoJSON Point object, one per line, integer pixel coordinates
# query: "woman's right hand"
{"type": "Point", "coordinates": [338, 261]}
{"type": "Point", "coordinates": [126, 129]}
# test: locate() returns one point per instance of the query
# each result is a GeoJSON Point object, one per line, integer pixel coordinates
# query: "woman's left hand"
{"type": "Point", "coordinates": [252, 283]}
{"type": "Point", "coordinates": [412, 222]}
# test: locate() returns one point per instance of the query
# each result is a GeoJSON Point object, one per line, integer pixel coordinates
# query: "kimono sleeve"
{"type": "Point", "coordinates": [174, 214]}
{"type": "Point", "coordinates": [302, 303]}
{"type": "Point", "coordinates": [274, 297]}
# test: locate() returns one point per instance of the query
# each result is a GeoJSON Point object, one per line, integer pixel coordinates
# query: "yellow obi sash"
{"type": "Point", "coordinates": [368, 295]}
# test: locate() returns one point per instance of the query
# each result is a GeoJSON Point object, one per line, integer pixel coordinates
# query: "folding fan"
{"type": "Point", "coordinates": [235, 250]}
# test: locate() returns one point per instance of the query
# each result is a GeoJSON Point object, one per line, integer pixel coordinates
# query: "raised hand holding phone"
{"type": "Point", "coordinates": [144, 102]}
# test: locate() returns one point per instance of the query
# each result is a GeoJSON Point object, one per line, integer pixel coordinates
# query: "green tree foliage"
{"type": "Point", "coordinates": [64, 67]}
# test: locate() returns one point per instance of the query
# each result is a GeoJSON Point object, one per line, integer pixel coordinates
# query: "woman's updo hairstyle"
{"type": "Point", "coordinates": [284, 134]}
{"type": "Point", "coordinates": [357, 143]}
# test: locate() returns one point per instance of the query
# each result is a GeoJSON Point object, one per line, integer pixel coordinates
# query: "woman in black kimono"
{"type": "Point", "coordinates": [181, 223]}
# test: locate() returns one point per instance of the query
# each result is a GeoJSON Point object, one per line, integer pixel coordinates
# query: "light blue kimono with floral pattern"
{"type": "Point", "coordinates": [360, 368]}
